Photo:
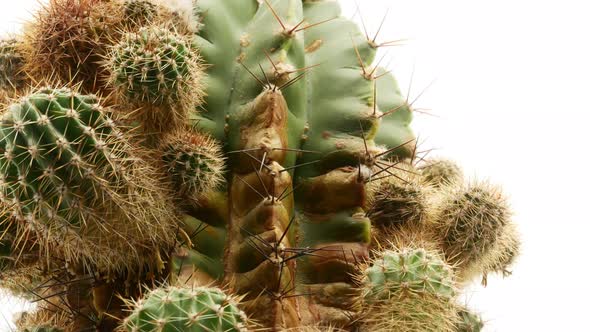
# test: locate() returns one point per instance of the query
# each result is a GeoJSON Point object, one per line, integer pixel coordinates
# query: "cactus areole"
{"type": "Point", "coordinates": [233, 175]}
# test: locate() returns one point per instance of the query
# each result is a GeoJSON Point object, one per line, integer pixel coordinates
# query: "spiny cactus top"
{"type": "Point", "coordinates": [263, 150]}
{"type": "Point", "coordinates": [194, 162]}
{"type": "Point", "coordinates": [154, 65]}
{"type": "Point", "coordinates": [68, 172]}
{"type": "Point", "coordinates": [11, 63]}
{"type": "Point", "coordinates": [199, 309]}
{"type": "Point", "coordinates": [397, 273]}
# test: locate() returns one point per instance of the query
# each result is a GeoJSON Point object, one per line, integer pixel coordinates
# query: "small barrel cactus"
{"type": "Point", "coordinates": [409, 290]}
{"type": "Point", "coordinates": [397, 274]}
{"type": "Point", "coordinates": [69, 174]}
{"type": "Point", "coordinates": [253, 144]}
{"type": "Point", "coordinates": [198, 309]}
{"type": "Point", "coordinates": [398, 201]}
{"type": "Point", "coordinates": [159, 71]}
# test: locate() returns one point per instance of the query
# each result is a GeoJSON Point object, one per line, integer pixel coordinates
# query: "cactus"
{"type": "Point", "coordinates": [441, 172]}
{"type": "Point", "coordinates": [69, 174]}
{"type": "Point", "coordinates": [469, 322]}
{"type": "Point", "coordinates": [294, 139]}
{"type": "Point", "coordinates": [158, 71]}
{"type": "Point", "coordinates": [141, 12]}
{"type": "Point", "coordinates": [11, 63]}
{"type": "Point", "coordinates": [68, 39]}
{"type": "Point", "coordinates": [197, 309]}
{"type": "Point", "coordinates": [251, 146]}
{"type": "Point", "coordinates": [503, 254]}
{"type": "Point", "coordinates": [397, 202]}
{"type": "Point", "coordinates": [409, 290]}
{"type": "Point", "coordinates": [195, 163]}
{"type": "Point", "coordinates": [395, 274]}
{"type": "Point", "coordinates": [472, 217]}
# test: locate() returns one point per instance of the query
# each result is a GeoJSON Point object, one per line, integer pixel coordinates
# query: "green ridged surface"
{"type": "Point", "coordinates": [235, 34]}
{"type": "Point", "coordinates": [413, 271]}
{"type": "Point", "coordinates": [152, 65]}
{"type": "Point", "coordinates": [331, 122]}
{"type": "Point", "coordinates": [42, 329]}
{"type": "Point", "coordinates": [175, 309]}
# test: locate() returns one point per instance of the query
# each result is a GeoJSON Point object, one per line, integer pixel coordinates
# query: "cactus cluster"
{"type": "Point", "coordinates": [234, 165]}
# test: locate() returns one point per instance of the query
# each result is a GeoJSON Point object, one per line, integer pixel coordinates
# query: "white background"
{"type": "Point", "coordinates": [511, 101]}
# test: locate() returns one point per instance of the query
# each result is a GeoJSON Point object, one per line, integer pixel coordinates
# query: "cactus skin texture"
{"type": "Point", "coordinates": [472, 217]}
{"type": "Point", "coordinates": [198, 309]}
{"type": "Point", "coordinates": [69, 174]}
{"type": "Point", "coordinates": [409, 290]}
{"type": "Point", "coordinates": [158, 71]}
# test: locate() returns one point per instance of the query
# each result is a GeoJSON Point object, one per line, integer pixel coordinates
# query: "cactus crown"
{"type": "Point", "coordinates": [159, 71]}
{"type": "Point", "coordinates": [408, 271]}
{"type": "Point", "coordinates": [473, 217]}
{"type": "Point", "coordinates": [11, 63]}
{"type": "Point", "coordinates": [198, 309]}
{"type": "Point", "coordinates": [194, 162]}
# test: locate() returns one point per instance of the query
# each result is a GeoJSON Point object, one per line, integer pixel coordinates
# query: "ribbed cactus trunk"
{"type": "Point", "coordinates": [301, 150]}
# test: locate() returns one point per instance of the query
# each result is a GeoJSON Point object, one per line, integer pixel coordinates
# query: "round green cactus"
{"type": "Point", "coordinates": [195, 163]}
{"type": "Point", "coordinates": [159, 71]}
{"type": "Point", "coordinates": [68, 173]}
{"type": "Point", "coordinates": [396, 273]}
{"type": "Point", "coordinates": [199, 309]}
